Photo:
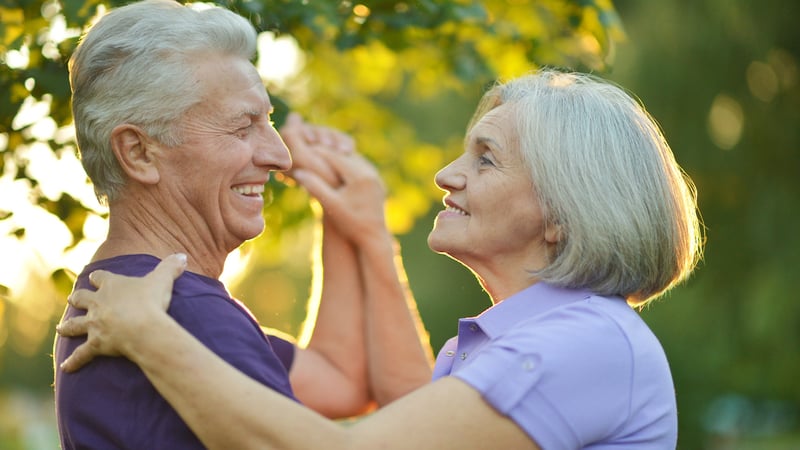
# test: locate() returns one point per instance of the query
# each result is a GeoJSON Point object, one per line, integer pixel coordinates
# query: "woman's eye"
{"type": "Point", "coordinates": [483, 160]}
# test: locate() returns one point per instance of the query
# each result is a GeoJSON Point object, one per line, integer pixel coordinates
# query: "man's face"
{"type": "Point", "coordinates": [229, 148]}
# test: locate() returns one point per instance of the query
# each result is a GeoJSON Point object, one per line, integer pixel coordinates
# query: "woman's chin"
{"type": "Point", "coordinates": [442, 247]}
{"type": "Point", "coordinates": [435, 243]}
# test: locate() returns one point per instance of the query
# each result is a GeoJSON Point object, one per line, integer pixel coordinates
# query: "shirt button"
{"type": "Point", "coordinates": [464, 355]}
{"type": "Point", "coordinates": [527, 365]}
{"type": "Point", "coordinates": [473, 327]}
{"type": "Point", "coordinates": [449, 353]}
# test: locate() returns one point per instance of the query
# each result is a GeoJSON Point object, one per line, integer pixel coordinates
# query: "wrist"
{"type": "Point", "coordinates": [148, 337]}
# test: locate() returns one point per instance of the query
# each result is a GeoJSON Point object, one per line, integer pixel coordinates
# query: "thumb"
{"type": "Point", "coordinates": [315, 185]}
{"type": "Point", "coordinates": [162, 278]}
{"type": "Point", "coordinates": [293, 120]}
{"type": "Point", "coordinates": [170, 268]}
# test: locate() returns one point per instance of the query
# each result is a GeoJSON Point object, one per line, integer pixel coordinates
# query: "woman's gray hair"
{"type": "Point", "coordinates": [606, 176]}
{"type": "Point", "coordinates": [136, 65]}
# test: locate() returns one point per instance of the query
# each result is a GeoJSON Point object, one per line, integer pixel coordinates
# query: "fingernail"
{"type": "Point", "coordinates": [181, 257]}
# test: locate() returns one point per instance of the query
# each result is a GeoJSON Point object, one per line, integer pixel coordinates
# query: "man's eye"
{"type": "Point", "coordinates": [242, 132]}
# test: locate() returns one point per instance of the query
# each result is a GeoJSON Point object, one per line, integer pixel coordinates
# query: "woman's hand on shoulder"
{"type": "Point", "coordinates": [121, 310]}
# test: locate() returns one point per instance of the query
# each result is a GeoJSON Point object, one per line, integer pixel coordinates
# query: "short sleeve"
{"type": "Point", "coordinates": [284, 349]}
{"type": "Point", "coordinates": [228, 330]}
{"type": "Point", "coordinates": [565, 379]}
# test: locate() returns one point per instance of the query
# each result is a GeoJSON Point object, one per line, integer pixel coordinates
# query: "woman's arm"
{"type": "Point", "coordinates": [329, 371]}
{"type": "Point", "coordinates": [227, 409]}
{"type": "Point", "coordinates": [399, 356]}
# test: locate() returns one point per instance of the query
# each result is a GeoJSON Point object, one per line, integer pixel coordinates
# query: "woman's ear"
{"type": "Point", "coordinates": [135, 153]}
{"type": "Point", "coordinates": [553, 233]}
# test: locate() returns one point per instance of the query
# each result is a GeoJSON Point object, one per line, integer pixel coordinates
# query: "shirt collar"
{"type": "Point", "coordinates": [531, 301]}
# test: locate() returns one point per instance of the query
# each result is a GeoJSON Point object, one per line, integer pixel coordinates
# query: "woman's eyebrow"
{"type": "Point", "coordinates": [489, 142]}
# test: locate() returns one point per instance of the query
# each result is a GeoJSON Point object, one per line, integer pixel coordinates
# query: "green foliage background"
{"type": "Point", "coordinates": [721, 76]}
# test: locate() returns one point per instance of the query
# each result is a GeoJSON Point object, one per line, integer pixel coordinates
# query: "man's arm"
{"type": "Point", "coordinates": [329, 370]}
{"type": "Point", "coordinates": [399, 356]}
{"type": "Point", "coordinates": [329, 373]}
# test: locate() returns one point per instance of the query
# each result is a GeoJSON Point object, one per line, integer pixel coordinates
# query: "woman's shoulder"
{"type": "Point", "coordinates": [594, 332]}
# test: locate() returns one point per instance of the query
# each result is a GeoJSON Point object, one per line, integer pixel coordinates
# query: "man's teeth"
{"type": "Point", "coordinates": [456, 210]}
{"type": "Point", "coordinates": [249, 189]}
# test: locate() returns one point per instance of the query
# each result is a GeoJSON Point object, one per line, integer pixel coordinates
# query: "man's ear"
{"type": "Point", "coordinates": [135, 152]}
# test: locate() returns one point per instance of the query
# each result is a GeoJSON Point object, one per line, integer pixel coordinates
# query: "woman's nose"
{"type": "Point", "coordinates": [450, 177]}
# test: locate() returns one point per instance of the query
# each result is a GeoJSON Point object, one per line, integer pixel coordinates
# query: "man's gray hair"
{"type": "Point", "coordinates": [136, 66]}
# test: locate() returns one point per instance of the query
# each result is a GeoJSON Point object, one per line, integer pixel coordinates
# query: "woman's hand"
{"type": "Point", "coordinates": [356, 205]}
{"type": "Point", "coordinates": [307, 142]}
{"type": "Point", "coordinates": [121, 309]}
{"type": "Point", "coordinates": [347, 186]}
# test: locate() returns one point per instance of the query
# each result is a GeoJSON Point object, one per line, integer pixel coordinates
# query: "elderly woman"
{"type": "Point", "coordinates": [173, 124]}
{"type": "Point", "coordinates": [570, 209]}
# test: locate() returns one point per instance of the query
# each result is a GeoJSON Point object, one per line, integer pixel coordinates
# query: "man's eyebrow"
{"type": "Point", "coordinates": [247, 113]}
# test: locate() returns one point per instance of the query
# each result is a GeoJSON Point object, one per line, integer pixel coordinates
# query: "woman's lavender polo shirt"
{"type": "Point", "coordinates": [574, 370]}
{"type": "Point", "coordinates": [110, 404]}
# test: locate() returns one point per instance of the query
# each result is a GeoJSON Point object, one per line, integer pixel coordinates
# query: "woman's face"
{"type": "Point", "coordinates": [492, 221]}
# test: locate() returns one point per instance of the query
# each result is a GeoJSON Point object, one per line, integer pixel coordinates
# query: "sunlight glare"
{"type": "Point", "coordinates": [17, 59]}
{"type": "Point", "coordinates": [762, 81]}
{"type": "Point", "coordinates": [39, 250]}
{"type": "Point", "coordinates": [725, 121]}
{"type": "Point", "coordinates": [43, 129]}
{"type": "Point", "coordinates": [235, 266]}
{"type": "Point", "coordinates": [95, 229]}
{"type": "Point", "coordinates": [279, 58]}
{"type": "Point", "coordinates": [31, 112]}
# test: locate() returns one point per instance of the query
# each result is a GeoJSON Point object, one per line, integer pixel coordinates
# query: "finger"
{"type": "Point", "coordinates": [293, 131]}
{"type": "Point", "coordinates": [310, 134]}
{"type": "Point", "coordinates": [343, 142]}
{"type": "Point", "coordinates": [79, 358]}
{"type": "Point", "coordinates": [348, 166]}
{"type": "Point", "coordinates": [315, 186]}
{"type": "Point", "coordinates": [162, 279]}
{"type": "Point", "coordinates": [292, 120]}
{"type": "Point", "coordinates": [75, 326]}
{"type": "Point", "coordinates": [322, 170]}
{"type": "Point", "coordinates": [98, 277]}
{"type": "Point", "coordinates": [81, 298]}
{"type": "Point", "coordinates": [171, 267]}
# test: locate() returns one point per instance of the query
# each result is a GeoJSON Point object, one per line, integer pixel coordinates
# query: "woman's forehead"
{"type": "Point", "coordinates": [498, 124]}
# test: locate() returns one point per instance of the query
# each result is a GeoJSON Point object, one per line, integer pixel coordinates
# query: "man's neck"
{"type": "Point", "coordinates": [138, 229]}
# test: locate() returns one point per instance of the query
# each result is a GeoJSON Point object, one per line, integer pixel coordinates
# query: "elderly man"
{"type": "Point", "coordinates": [173, 124]}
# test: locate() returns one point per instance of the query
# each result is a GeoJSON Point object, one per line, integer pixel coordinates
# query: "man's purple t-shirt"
{"type": "Point", "coordinates": [572, 369]}
{"type": "Point", "coordinates": [110, 404]}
